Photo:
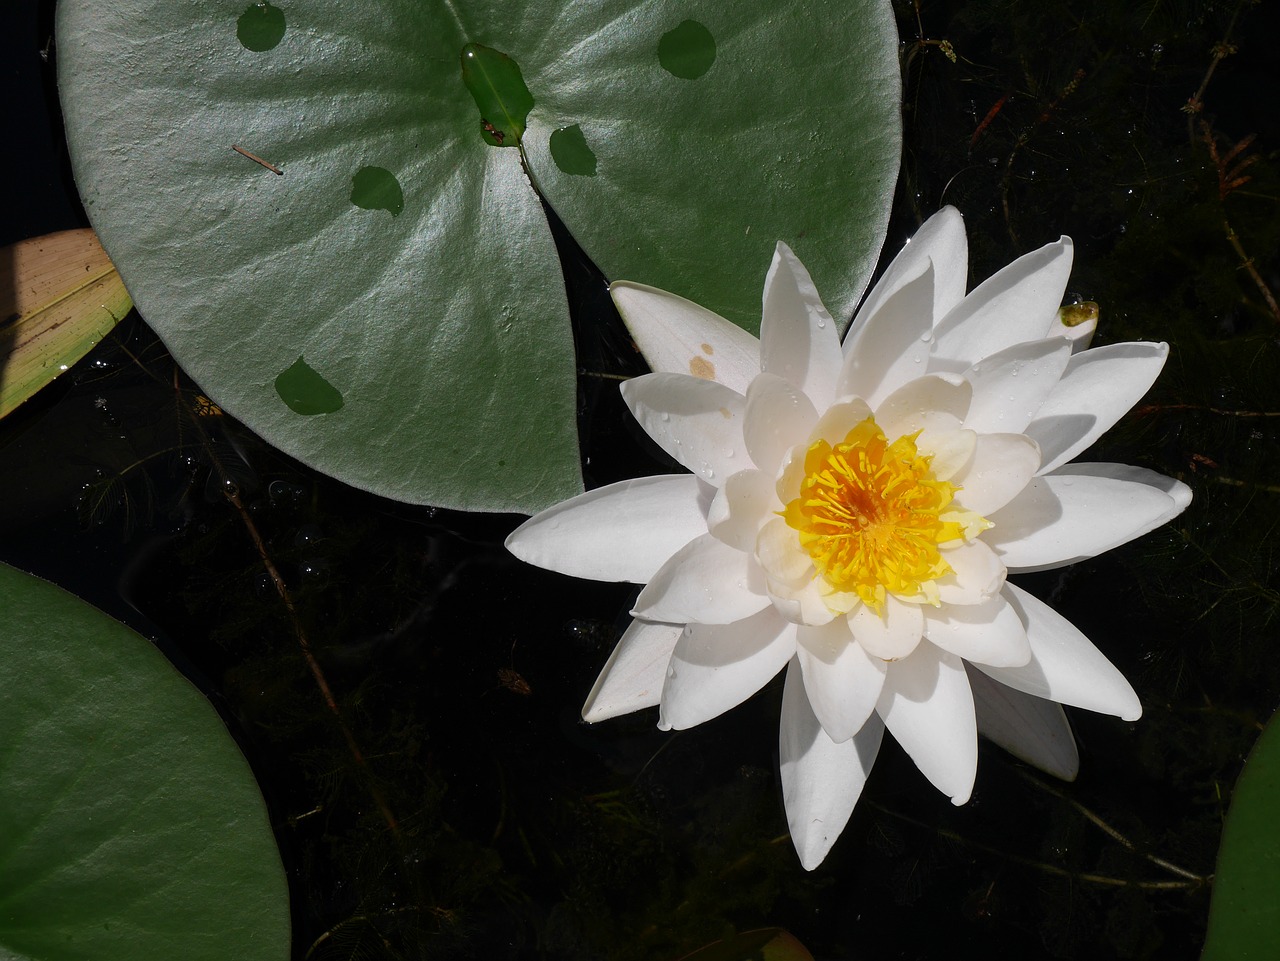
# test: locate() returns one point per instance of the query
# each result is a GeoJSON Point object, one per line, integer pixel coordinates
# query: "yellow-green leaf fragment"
{"type": "Point", "coordinates": [764, 944]}
{"type": "Point", "coordinates": [59, 295]}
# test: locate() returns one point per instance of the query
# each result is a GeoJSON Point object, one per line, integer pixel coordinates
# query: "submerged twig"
{"type": "Point", "coordinates": [231, 492]}
{"type": "Point", "coordinates": [1108, 830]}
{"type": "Point", "coordinates": [1054, 869]}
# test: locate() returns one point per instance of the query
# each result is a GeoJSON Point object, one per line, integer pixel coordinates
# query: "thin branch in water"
{"type": "Point", "coordinates": [231, 492]}
{"type": "Point", "coordinates": [1108, 830]}
{"type": "Point", "coordinates": [1056, 870]}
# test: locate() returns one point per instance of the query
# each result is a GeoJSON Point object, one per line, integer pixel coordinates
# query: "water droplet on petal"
{"type": "Point", "coordinates": [665, 417]}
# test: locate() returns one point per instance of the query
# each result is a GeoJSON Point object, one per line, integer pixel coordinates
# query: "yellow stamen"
{"type": "Point", "coordinates": [871, 515]}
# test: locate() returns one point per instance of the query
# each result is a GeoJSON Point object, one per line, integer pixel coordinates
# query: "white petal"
{"type": "Point", "coordinates": [741, 508]}
{"type": "Point", "coordinates": [1071, 515]}
{"type": "Point", "coordinates": [623, 532]}
{"type": "Point", "coordinates": [989, 633]}
{"type": "Point", "coordinates": [835, 424]}
{"type": "Point", "coordinates": [1030, 728]}
{"type": "Point", "coordinates": [940, 241]}
{"type": "Point", "coordinates": [779, 552]}
{"type": "Point", "coordinates": [1096, 389]}
{"type": "Point", "coordinates": [1064, 666]}
{"type": "Point", "coordinates": [821, 779]}
{"type": "Point", "coordinates": [1014, 305]}
{"type": "Point", "coordinates": [707, 582]}
{"type": "Point", "coordinates": [977, 573]}
{"type": "Point", "coordinates": [678, 336]}
{"type": "Point", "coordinates": [698, 422]}
{"type": "Point", "coordinates": [951, 450]}
{"type": "Point", "coordinates": [843, 681]}
{"type": "Point", "coordinates": [890, 636]}
{"type": "Point", "coordinates": [778, 416]}
{"type": "Point", "coordinates": [1001, 467]}
{"type": "Point", "coordinates": [798, 338]}
{"type": "Point", "coordinates": [808, 605]}
{"type": "Point", "coordinates": [892, 345]}
{"type": "Point", "coordinates": [1178, 492]}
{"type": "Point", "coordinates": [1010, 387]}
{"type": "Point", "coordinates": [927, 707]}
{"type": "Point", "coordinates": [716, 667]}
{"type": "Point", "coordinates": [633, 676]}
{"type": "Point", "coordinates": [937, 402]}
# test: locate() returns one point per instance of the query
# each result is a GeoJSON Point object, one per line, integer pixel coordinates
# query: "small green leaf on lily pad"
{"type": "Point", "coordinates": [1244, 913]}
{"type": "Point", "coordinates": [570, 152]}
{"type": "Point", "coordinates": [688, 50]}
{"type": "Point", "coordinates": [376, 188]}
{"type": "Point", "coordinates": [130, 825]}
{"type": "Point", "coordinates": [306, 392]}
{"type": "Point", "coordinates": [498, 88]}
{"type": "Point", "coordinates": [261, 27]}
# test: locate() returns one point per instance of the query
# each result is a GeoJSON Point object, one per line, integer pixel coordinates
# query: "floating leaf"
{"type": "Point", "coordinates": [59, 295]}
{"type": "Point", "coordinates": [130, 824]}
{"type": "Point", "coordinates": [1244, 914]}
{"type": "Point", "coordinates": [445, 327]}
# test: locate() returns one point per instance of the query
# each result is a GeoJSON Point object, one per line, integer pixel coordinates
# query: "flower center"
{"type": "Point", "coordinates": [871, 515]}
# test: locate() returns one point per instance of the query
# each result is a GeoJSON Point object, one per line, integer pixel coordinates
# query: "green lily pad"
{"type": "Point", "coordinates": [130, 825]}
{"type": "Point", "coordinates": [704, 133]}
{"type": "Point", "coordinates": [1244, 913]}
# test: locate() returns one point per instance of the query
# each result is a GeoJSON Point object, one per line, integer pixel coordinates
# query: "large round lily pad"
{"type": "Point", "coordinates": [379, 226]}
{"type": "Point", "coordinates": [131, 827]}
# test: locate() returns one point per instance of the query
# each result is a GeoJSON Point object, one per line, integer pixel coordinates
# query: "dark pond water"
{"type": "Point", "coordinates": [521, 832]}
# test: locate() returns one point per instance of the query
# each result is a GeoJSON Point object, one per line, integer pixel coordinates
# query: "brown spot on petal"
{"type": "Point", "coordinates": [707, 349]}
{"type": "Point", "coordinates": [724, 412]}
{"type": "Point", "coordinates": [701, 367]}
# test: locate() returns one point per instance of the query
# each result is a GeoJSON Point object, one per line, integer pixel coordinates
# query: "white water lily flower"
{"type": "Point", "coordinates": [852, 513]}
